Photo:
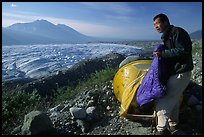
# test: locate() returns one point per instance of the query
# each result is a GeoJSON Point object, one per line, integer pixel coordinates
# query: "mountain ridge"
{"type": "Point", "coordinates": [42, 32]}
{"type": "Point", "coordinates": [196, 35]}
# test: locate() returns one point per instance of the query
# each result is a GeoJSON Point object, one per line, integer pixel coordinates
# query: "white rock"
{"type": "Point", "coordinates": [77, 112]}
{"type": "Point", "coordinates": [53, 114]}
{"type": "Point", "coordinates": [108, 107]}
{"type": "Point", "coordinates": [90, 110]}
{"type": "Point", "coordinates": [57, 108]}
{"type": "Point", "coordinates": [90, 103]}
{"type": "Point", "coordinates": [66, 108]}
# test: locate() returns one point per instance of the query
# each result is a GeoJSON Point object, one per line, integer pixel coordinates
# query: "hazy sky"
{"type": "Point", "coordinates": [132, 20]}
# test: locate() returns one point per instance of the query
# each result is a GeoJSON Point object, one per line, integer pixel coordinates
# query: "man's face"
{"type": "Point", "coordinates": [159, 25]}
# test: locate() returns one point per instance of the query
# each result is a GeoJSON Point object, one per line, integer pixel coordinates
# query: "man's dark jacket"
{"type": "Point", "coordinates": [179, 50]}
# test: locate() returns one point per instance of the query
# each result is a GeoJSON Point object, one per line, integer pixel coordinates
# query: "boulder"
{"type": "Point", "coordinates": [78, 113]}
{"type": "Point", "coordinates": [36, 123]}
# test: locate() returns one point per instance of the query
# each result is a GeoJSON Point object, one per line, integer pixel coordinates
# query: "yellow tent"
{"type": "Point", "coordinates": [125, 85]}
{"type": "Point", "coordinates": [126, 82]}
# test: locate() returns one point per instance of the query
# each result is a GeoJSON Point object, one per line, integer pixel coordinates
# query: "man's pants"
{"type": "Point", "coordinates": [167, 107]}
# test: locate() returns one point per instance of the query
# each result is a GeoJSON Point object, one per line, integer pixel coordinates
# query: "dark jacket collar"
{"type": "Point", "coordinates": [166, 32]}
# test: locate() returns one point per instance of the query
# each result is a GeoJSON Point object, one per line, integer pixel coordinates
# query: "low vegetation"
{"type": "Point", "coordinates": [96, 79]}
{"type": "Point", "coordinates": [197, 47]}
{"type": "Point", "coordinates": [16, 105]}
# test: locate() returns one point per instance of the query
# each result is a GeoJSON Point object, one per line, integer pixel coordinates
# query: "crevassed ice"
{"type": "Point", "coordinates": [35, 61]}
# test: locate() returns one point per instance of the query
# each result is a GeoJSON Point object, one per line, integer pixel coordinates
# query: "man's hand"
{"type": "Point", "coordinates": [157, 53]}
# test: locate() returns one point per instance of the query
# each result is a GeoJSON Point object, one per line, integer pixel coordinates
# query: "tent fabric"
{"type": "Point", "coordinates": [153, 85]}
{"type": "Point", "coordinates": [126, 82]}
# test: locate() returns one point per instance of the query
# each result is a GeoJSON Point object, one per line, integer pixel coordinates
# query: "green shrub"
{"type": "Point", "coordinates": [96, 79]}
{"type": "Point", "coordinates": [15, 105]}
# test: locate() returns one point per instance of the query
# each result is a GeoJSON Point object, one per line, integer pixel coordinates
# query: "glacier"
{"type": "Point", "coordinates": [36, 61]}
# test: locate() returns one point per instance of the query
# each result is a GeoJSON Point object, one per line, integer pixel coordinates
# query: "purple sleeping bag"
{"type": "Point", "coordinates": [153, 85]}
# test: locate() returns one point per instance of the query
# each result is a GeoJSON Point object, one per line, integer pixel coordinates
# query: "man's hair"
{"type": "Point", "coordinates": [162, 17]}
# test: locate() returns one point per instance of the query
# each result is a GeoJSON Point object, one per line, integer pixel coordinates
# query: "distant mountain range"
{"type": "Point", "coordinates": [196, 35]}
{"type": "Point", "coordinates": [42, 32]}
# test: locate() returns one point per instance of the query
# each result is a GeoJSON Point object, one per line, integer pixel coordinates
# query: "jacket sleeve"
{"type": "Point", "coordinates": [181, 46]}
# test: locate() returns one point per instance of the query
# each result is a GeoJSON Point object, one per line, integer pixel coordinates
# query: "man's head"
{"type": "Point", "coordinates": [161, 22]}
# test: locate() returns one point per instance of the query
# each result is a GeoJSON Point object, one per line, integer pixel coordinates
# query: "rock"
{"type": "Point", "coordinates": [90, 103]}
{"type": "Point", "coordinates": [108, 108]}
{"type": "Point", "coordinates": [66, 108]}
{"type": "Point", "coordinates": [93, 114]}
{"type": "Point", "coordinates": [54, 115]}
{"type": "Point", "coordinates": [90, 110]}
{"type": "Point", "coordinates": [83, 125]}
{"type": "Point", "coordinates": [57, 108]}
{"type": "Point", "coordinates": [36, 123]}
{"type": "Point", "coordinates": [16, 130]}
{"type": "Point", "coordinates": [78, 113]}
